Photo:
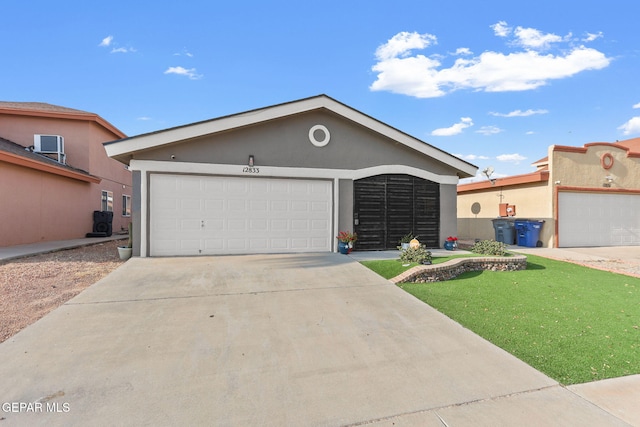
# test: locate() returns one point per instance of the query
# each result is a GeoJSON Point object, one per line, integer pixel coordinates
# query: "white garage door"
{"type": "Point", "coordinates": [203, 215]}
{"type": "Point", "coordinates": [596, 219]}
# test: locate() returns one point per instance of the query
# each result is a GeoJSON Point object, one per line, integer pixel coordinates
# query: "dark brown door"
{"type": "Point", "coordinates": [386, 207]}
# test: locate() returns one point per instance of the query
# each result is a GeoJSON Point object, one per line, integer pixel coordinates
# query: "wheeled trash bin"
{"type": "Point", "coordinates": [504, 230]}
{"type": "Point", "coordinates": [528, 232]}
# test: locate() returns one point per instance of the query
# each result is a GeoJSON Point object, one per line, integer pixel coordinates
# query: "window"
{"type": "Point", "coordinates": [126, 205]}
{"type": "Point", "coordinates": [107, 201]}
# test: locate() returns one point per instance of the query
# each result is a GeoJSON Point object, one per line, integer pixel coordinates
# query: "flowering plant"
{"type": "Point", "coordinates": [347, 237]}
{"type": "Point", "coordinates": [452, 239]}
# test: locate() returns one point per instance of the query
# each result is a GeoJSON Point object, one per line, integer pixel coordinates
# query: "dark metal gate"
{"type": "Point", "coordinates": [387, 207]}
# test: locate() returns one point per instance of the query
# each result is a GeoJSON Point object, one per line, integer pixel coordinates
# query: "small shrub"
{"type": "Point", "coordinates": [419, 255]}
{"type": "Point", "coordinates": [489, 247]}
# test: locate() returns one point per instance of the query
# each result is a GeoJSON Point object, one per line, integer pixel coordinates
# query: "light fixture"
{"type": "Point", "coordinates": [609, 178]}
{"type": "Point", "coordinates": [251, 160]}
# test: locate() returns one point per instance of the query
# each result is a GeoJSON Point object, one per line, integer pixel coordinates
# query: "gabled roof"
{"type": "Point", "coordinates": [122, 150]}
{"type": "Point", "coordinates": [11, 152]}
{"type": "Point", "coordinates": [42, 109]}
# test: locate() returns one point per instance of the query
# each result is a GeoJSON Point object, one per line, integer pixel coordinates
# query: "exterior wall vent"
{"type": "Point", "coordinates": [51, 146]}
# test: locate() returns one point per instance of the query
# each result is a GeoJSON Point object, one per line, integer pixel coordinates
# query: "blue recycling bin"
{"type": "Point", "coordinates": [528, 232]}
{"type": "Point", "coordinates": [504, 230]}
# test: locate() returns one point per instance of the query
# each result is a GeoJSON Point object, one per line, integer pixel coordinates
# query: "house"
{"type": "Point", "coordinates": [55, 174]}
{"type": "Point", "coordinates": [287, 178]}
{"type": "Point", "coordinates": [587, 196]}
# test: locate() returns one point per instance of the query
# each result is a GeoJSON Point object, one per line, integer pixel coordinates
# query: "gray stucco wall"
{"type": "Point", "coordinates": [448, 212]}
{"type": "Point", "coordinates": [285, 143]}
{"type": "Point", "coordinates": [345, 200]}
{"type": "Point", "coordinates": [136, 212]}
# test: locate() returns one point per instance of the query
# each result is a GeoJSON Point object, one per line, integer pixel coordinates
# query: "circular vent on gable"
{"type": "Point", "coordinates": [319, 135]}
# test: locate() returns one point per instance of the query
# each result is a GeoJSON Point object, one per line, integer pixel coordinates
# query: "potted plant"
{"type": "Point", "coordinates": [451, 244]}
{"type": "Point", "coordinates": [125, 251]}
{"type": "Point", "coordinates": [405, 241]}
{"type": "Point", "coordinates": [345, 241]}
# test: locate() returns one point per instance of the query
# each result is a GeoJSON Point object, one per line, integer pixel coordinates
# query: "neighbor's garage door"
{"type": "Point", "coordinates": [598, 219]}
{"type": "Point", "coordinates": [193, 215]}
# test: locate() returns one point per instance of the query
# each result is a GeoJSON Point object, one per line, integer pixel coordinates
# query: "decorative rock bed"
{"type": "Point", "coordinates": [455, 267]}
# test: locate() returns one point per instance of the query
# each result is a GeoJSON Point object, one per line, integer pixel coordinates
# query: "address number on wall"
{"type": "Point", "coordinates": [250, 169]}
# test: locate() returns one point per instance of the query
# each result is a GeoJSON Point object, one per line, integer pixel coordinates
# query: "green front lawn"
{"type": "Point", "coordinates": [573, 323]}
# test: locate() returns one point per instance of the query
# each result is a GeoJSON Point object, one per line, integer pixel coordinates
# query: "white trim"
{"type": "Point", "coordinates": [144, 214]}
{"type": "Point", "coordinates": [128, 146]}
{"type": "Point", "coordinates": [145, 166]}
{"type": "Point", "coordinates": [153, 166]}
{"type": "Point", "coordinates": [336, 214]}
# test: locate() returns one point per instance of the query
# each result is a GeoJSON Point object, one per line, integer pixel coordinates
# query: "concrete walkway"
{"type": "Point", "coordinates": [311, 339]}
{"type": "Point", "coordinates": [13, 252]}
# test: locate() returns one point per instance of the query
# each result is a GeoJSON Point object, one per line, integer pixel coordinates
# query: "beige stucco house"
{"type": "Point", "coordinates": [55, 174]}
{"type": "Point", "coordinates": [587, 196]}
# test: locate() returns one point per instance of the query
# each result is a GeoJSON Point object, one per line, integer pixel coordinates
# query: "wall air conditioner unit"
{"type": "Point", "coordinates": [50, 144]}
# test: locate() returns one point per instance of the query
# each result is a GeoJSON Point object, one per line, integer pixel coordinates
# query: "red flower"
{"type": "Point", "coordinates": [347, 237]}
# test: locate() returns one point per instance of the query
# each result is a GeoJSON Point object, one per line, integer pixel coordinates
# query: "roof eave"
{"type": "Point", "coordinates": [49, 168]}
{"type": "Point", "coordinates": [124, 148]}
{"type": "Point", "coordinates": [529, 178]}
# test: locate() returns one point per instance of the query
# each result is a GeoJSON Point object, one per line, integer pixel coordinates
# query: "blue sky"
{"type": "Point", "coordinates": [494, 82]}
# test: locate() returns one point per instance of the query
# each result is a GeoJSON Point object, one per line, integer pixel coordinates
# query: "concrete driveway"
{"type": "Point", "coordinates": [281, 340]}
{"type": "Point", "coordinates": [617, 259]}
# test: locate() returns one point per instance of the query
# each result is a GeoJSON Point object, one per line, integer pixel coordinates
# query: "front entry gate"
{"type": "Point", "coordinates": [387, 207]}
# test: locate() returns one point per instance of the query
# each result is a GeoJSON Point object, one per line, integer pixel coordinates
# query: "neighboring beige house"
{"type": "Point", "coordinates": [587, 196]}
{"type": "Point", "coordinates": [55, 173]}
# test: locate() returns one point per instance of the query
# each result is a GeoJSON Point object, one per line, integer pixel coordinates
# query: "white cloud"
{"type": "Point", "coordinates": [471, 157]}
{"type": "Point", "coordinates": [400, 70]}
{"type": "Point", "coordinates": [489, 130]}
{"type": "Point", "coordinates": [631, 126]}
{"type": "Point", "coordinates": [106, 41]}
{"type": "Point", "coordinates": [501, 29]}
{"type": "Point", "coordinates": [122, 50]}
{"type": "Point", "coordinates": [403, 43]}
{"type": "Point", "coordinates": [144, 118]}
{"type": "Point", "coordinates": [456, 129]}
{"type": "Point", "coordinates": [511, 158]}
{"type": "Point", "coordinates": [519, 113]}
{"type": "Point", "coordinates": [530, 132]}
{"type": "Point", "coordinates": [530, 38]}
{"type": "Point", "coordinates": [463, 51]}
{"type": "Point", "coordinates": [636, 105]}
{"type": "Point", "coordinates": [181, 71]}
{"type": "Point", "coordinates": [591, 37]}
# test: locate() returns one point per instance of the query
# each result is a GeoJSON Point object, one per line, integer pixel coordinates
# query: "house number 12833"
{"type": "Point", "coordinates": [250, 169]}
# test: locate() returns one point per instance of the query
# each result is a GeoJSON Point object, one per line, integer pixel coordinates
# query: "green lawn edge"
{"type": "Point", "coordinates": [571, 322]}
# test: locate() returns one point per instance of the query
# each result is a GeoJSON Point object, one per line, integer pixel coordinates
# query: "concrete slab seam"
{"type": "Point", "coordinates": [455, 405]}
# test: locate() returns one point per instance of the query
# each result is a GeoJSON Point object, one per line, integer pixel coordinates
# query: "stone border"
{"type": "Point", "coordinates": [455, 267]}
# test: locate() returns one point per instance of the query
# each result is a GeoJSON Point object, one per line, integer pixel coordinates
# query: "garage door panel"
{"type": "Point", "coordinates": [598, 219]}
{"type": "Point", "coordinates": [217, 215]}
{"type": "Point", "coordinates": [190, 224]}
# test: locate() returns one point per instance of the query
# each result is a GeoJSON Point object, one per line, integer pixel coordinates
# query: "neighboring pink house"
{"type": "Point", "coordinates": [54, 172]}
